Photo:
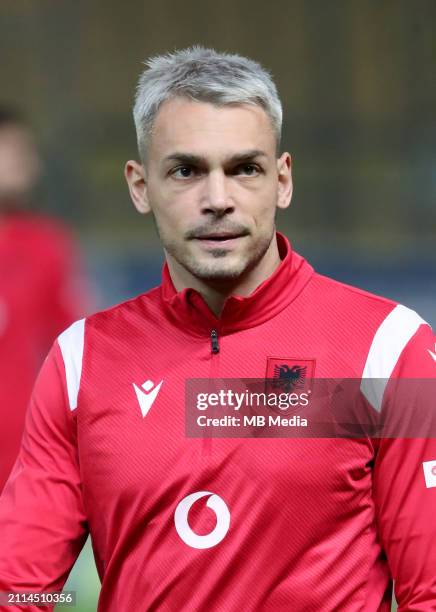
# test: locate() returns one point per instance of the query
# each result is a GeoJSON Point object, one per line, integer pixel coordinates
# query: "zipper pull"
{"type": "Point", "coordinates": [214, 341]}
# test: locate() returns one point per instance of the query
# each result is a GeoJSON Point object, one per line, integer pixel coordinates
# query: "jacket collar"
{"type": "Point", "coordinates": [188, 308]}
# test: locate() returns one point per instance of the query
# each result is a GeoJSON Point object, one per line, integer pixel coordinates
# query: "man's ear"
{"type": "Point", "coordinates": [136, 180]}
{"type": "Point", "coordinates": [284, 170]}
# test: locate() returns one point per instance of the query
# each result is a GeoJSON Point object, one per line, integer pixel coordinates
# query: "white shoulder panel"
{"type": "Point", "coordinates": [71, 344]}
{"type": "Point", "coordinates": [388, 343]}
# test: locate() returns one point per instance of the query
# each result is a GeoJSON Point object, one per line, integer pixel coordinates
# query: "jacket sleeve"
{"type": "Point", "coordinates": [42, 519]}
{"type": "Point", "coordinates": [405, 475]}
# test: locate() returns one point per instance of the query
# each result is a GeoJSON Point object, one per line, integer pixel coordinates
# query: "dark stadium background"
{"type": "Point", "coordinates": [357, 79]}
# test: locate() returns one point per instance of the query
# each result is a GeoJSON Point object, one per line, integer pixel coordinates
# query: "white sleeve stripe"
{"type": "Point", "coordinates": [388, 343]}
{"type": "Point", "coordinates": [71, 344]}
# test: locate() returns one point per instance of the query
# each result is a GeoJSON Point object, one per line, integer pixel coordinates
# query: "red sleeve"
{"type": "Point", "coordinates": [405, 500]}
{"type": "Point", "coordinates": [42, 519]}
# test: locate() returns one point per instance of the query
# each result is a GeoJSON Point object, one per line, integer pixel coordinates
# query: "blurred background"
{"type": "Point", "coordinates": [357, 79]}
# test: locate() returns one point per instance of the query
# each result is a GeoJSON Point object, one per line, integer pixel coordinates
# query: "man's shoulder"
{"type": "Point", "coordinates": [369, 328]}
{"type": "Point", "coordinates": [115, 321]}
{"type": "Point", "coordinates": [361, 309]}
{"type": "Point", "coordinates": [141, 305]}
{"type": "Point", "coordinates": [350, 295]}
{"type": "Point", "coordinates": [91, 342]}
{"type": "Point", "coordinates": [353, 309]}
{"type": "Point", "coordinates": [359, 312]}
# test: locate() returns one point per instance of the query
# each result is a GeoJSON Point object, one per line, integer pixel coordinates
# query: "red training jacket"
{"type": "Point", "coordinates": [254, 524]}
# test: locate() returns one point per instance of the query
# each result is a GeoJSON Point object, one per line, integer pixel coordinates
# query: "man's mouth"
{"type": "Point", "coordinates": [219, 239]}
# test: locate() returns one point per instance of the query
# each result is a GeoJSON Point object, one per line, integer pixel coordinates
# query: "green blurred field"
{"type": "Point", "coordinates": [84, 581]}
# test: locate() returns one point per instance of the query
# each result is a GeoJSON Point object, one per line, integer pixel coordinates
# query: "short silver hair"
{"type": "Point", "coordinates": [203, 75]}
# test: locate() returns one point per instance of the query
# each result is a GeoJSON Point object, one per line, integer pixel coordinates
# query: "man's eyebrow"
{"type": "Point", "coordinates": [184, 158]}
{"type": "Point", "coordinates": [247, 155]}
{"type": "Point", "coordinates": [191, 159]}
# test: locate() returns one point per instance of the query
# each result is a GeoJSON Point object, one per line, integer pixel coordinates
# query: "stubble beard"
{"type": "Point", "coordinates": [222, 265]}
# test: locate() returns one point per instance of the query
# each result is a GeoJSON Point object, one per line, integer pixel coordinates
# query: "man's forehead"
{"type": "Point", "coordinates": [178, 104]}
{"type": "Point", "coordinates": [198, 128]}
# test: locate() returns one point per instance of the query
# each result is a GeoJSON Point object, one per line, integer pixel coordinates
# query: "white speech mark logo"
{"type": "Point", "coordinates": [213, 538]}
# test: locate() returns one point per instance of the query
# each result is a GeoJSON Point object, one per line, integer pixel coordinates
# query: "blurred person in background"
{"type": "Point", "coordinates": [42, 284]}
{"type": "Point", "coordinates": [195, 523]}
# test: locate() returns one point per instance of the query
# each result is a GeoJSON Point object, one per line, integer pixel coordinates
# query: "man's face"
{"type": "Point", "coordinates": [212, 183]}
{"type": "Point", "coordinates": [19, 163]}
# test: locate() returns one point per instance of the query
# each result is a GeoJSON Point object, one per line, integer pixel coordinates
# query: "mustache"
{"type": "Point", "coordinates": [215, 228]}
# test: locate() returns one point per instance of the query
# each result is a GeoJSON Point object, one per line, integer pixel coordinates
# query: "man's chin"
{"type": "Point", "coordinates": [218, 271]}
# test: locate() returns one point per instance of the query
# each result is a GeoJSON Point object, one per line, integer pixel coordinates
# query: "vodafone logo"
{"type": "Point", "coordinates": [215, 503]}
{"type": "Point", "coordinates": [433, 470]}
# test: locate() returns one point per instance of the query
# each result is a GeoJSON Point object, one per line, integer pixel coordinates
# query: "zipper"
{"type": "Point", "coordinates": [213, 374]}
{"type": "Point", "coordinates": [214, 341]}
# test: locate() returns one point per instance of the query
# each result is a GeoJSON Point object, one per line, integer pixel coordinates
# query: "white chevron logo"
{"type": "Point", "coordinates": [433, 354]}
{"type": "Point", "coordinates": [146, 394]}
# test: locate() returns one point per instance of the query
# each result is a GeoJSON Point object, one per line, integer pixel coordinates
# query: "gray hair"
{"type": "Point", "coordinates": [203, 75]}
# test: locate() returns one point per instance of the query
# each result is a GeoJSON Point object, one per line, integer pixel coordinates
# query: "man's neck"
{"type": "Point", "coordinates": [215, 293]}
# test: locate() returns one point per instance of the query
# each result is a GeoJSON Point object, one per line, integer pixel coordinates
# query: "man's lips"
{"type": "Point", "coordinates": [220, 237]}
{"type": "Point", "coordinates": [215, 240]}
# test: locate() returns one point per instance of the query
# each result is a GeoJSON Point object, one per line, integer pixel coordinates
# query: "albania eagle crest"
{"type": "Point", "coordinates": [289, 378]}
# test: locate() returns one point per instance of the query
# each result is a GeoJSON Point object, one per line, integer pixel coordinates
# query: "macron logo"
{"type": "Point", "coordinates": [146, 395]}
{"type": "Point", "coordinates": [429, 473]}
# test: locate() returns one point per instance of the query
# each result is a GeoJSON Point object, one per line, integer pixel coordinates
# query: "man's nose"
{"type": "Point", "coordinates": [216, 197]}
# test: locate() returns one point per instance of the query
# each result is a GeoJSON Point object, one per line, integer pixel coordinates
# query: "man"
{"type": "Point", "coordinates": [182, 523]}
{"type": "Point", "coordinates": [40, 288]}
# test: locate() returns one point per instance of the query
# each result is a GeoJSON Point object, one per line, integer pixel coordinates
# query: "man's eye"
{"type": "Point", "coordinates": [183, 172]}
{"type": "Point", "coordinates": [248, 169]}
